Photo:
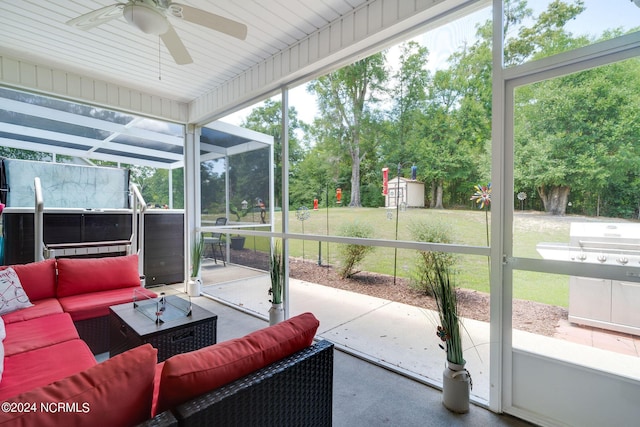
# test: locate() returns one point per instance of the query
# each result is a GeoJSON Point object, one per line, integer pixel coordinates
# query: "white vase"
{"type": "Point", "coordinates": [276, 314]}
{"type": "Point", "coordinates": [456, 386]}
{"type": "Point", "coordinates": [194, 286]}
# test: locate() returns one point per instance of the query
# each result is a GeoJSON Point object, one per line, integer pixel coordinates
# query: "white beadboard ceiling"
{"type": "Point", "coordinates": [118, 53]}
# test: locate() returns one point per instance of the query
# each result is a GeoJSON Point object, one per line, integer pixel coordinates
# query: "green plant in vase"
{"type": "Point", "coordinates": [456, 379]}
{"type": "Point", "coordinates": [196, 255]}
{"type": "Point", "coordinates": [194, 284]}
{"type": "Point", "coordinates": [276, 270]}
{"type": "Point", "coordinates": [444, 292]}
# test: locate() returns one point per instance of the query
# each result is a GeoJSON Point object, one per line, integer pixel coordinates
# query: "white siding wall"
{"type": "Point", "coordinates": [552, 392]}
{"type": "Point", "coordinates": [23, 75]}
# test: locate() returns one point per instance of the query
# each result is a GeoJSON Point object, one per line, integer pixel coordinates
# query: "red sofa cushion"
{"type": "Point", "coordinates": [156, 389]}
{"type": "Point", "coordinates": [40, 308]}
{"type": "Point", "coordinates": [96, 304]}
{"type": "Point", "coordinates": [83, 275]}
{"type": "Point", "coordinates": [117, 392]}
{"type": "Point", "coordinates": [38, 333]}
{"type": "Point", "coordinates": [188, 375]}
{"type": "Point", "coordinates": [37, 368]}
{"type": "Point", "coordinates": [37, 278]}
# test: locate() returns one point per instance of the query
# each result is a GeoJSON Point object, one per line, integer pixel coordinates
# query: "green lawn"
{"type": "Point", "coordinates": [468, 227]}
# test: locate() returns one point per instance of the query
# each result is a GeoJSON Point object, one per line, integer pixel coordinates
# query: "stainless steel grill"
{"type": "Point", "coordinates": [598, 243]}
{"type": "Point", "coordinates": [603, 303]}
{"type": "Point", "coordinates": [605, 243]}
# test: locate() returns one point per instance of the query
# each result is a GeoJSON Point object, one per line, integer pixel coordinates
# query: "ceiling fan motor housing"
{"type": "Point", "coordinates": [146, 18]}
{"type": "Point", "coordinates": [152, 17]}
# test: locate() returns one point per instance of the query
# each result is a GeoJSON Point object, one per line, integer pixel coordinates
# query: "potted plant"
{"type": "Point", "coordinates": [237, 242]}
{"type": "Point", "coordinates": [456, 380]}
{"type": "Point", "coordinates": [276, 269]}
{"type": "Point", "coordinates": [194, 284]}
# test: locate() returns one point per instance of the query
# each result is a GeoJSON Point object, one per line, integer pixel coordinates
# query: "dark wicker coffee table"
{"type": "Point", "coordinates": [130, 327]}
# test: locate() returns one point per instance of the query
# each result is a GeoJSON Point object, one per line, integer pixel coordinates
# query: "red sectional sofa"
{"type": "Point", "coordinates": [49, 376]}
{"type": "Point", "coordinates": [49, 299]}
{"type": "Point", "coordinates": [82, 287]}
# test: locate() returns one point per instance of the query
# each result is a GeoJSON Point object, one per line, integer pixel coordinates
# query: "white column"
{"type": "Point", "coordinates": [500, 321]}
{"type": "Point", "coordinates": [192, 199]}
{"type": "Point", "coordinates": [227, 211]}
{"type": "Point", "coordinates": [170, 188]}
{"type": "Point", "coordinates": [285, 195]}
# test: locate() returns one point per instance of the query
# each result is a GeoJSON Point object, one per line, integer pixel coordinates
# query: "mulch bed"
{"type": "Point", "coordinates": [528, 316]}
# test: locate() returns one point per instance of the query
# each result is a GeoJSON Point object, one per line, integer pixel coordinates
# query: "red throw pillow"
{"type": "Point", "coordinates": [116, 392]}
{"type": "Point", "coordinates": [82, 275]}
{"type": "Point", "coordinates": [38, 278]}
{"type": "Point", "coordinates": [191, 374]}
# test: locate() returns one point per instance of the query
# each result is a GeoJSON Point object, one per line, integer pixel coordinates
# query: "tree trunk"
{"type": "Point", "coordinates": [554, 199]}
{"type": "Point", "coordinates": [432, 195]}
{"type": "Point", "coordinates": [439, 191]}
{"type": "Point", "coordinates": [354, 201]}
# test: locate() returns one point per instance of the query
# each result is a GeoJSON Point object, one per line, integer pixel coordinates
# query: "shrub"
{"type": "Point", "coordinates": [352, 254]}
{"type": "Point", "coordinates": [426, 261]}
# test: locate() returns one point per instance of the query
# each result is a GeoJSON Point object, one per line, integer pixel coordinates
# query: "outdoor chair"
{"type": "Point", "coordinates": [215, 242]}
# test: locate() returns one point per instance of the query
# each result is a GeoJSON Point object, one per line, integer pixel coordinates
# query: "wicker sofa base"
{"type": "Point", "coordinates": [95, 332]}
{"type": "Point", "coordinates": [295, 391]}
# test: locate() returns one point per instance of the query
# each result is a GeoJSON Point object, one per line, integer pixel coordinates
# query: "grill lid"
{"type": "Point", "coordinates": [597, 242]}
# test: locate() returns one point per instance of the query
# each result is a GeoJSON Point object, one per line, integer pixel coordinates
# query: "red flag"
{"type": "Point", "coordinates": [385, 181]}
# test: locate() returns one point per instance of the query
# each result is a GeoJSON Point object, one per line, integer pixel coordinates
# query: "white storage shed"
{"type": "Point", "coordinates": [404, 191]}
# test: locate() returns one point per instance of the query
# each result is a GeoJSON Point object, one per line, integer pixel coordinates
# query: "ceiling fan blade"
{"type": "Point", "coordinates": [209, 20]}
{"type": "Point", "coordinates": [97, 17]}
{"type": "Point", "coordinates": [175, 47]}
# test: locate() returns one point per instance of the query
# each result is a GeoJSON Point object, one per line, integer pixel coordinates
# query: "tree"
{"type": "Point", "coordinates": [408, 96]}
{"type": "Point", "coordinates": [249, 179]}
{"type": "Point", "coordinates": [547, 35]}
{"type": "Point", "coordinates": [15, 153]}
{"type": "Point", "coordinates": [444, 152]}
{"type": "Point", "coordinates": [140, 175]}
{"type": "Point", "coordinates": [212, 187]}
{"type": "Point", "coordinates": [578, 133]}
{"type": "Point", "coordinates": [267, 119]}
{"type": "Point", "coordinates": [324, 168]}
{"type": "Point", "coordinates": [345, 97]}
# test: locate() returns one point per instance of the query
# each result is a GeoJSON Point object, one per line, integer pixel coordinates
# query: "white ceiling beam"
{"type": "Point", "coordinates": [92, 144]}
{"type": "Point", "coordinates": [33, 146]}
{"type": "Point", "coordinates": [220, 151]}
{"type": "Point", "coordinates": [211, 156]}
{"type": "Point", "coordinates": [246, 147]}
{"type": "Point", "coordinates": [240, 132]}
{"type": "Point", "coordinates": [90, 122]}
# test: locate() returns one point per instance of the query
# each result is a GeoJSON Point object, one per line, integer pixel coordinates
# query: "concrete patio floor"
{"type": "Point", "coordinates": [401, 337]}
{"type": "Point", "coordinates": [364, 394]}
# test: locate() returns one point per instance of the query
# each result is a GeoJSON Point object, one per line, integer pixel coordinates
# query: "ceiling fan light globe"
{"type": "Point", "coordinates": [146, 19]}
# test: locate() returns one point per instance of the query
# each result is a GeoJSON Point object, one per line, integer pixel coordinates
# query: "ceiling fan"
{"type": "Point", "coordinates": [150, 16]}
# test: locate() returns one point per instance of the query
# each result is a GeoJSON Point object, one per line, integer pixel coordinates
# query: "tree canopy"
{"type": "Point", "coordinates": [575, 136]}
